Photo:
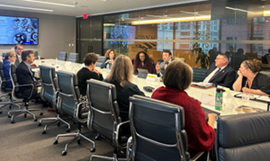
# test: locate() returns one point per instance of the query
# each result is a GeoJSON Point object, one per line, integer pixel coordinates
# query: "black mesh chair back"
{"type": "Point", "coordinates": [104, 107]}
{"type": "Point", "coordinates": [250, 56]}
{"type": "Point", "coordinates": [48, 79]}
{"type": "Point", "coordinates": [213, 54]}
{"type": "Point", "coordinates": [73, 57]}
{"type": "Point", "coordinates": [157, 130]}
{"type": "Point", "coordinates": [69, 93]}
{"type": "Point", "coordinates": [15, 84]}
{"type": "Point", "coordinates": [245, 137]}
{"type": "Point", "coordinates": [3, 78]}
{"type": "Point", "coordinates": [236, 61]}
{"type": "Point", "coordinates": [36, 55]}
{"type": "Point", "coordinates": [62, 56]}
{"type": "Point", "coordinates": [198, 74]}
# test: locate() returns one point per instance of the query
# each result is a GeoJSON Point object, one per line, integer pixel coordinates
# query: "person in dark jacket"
{"type": "Point", "coordinates": [109, 55]}
{"type": "Point", "coordinates": [143, 61]}
{"type": "Point", "coordinates": [88, 72]}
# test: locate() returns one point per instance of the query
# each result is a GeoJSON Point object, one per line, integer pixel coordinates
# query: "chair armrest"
{"type": "Point", "coordinates": [129, 149]}
{"type": "Point", "coordinates": [198, 155]}
{"type": "Point", "coordinates": [117, 131]}
{"type": "Point", "coordinates": [6, 80]}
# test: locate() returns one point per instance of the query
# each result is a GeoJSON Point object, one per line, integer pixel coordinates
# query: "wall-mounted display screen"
{"type": "Point", "coordinates": [18, 30]}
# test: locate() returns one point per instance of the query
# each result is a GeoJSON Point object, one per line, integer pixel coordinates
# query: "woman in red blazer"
{"type": "Point", "coordinates": [177, 78]}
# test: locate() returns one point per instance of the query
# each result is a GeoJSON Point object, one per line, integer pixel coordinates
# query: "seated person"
{"type": "Point", "coordinates": [250, 80]}
{"type": "Point", "coordinates": [167, 58]}
{"type": "Point", "coordinates": [177, 78]}
{"type": "Point", "coordinates": [220, 73]}
{"type": "Point", "coordinates": [26, 76]}
{"type": "Point", "coordinates": [88, 72]}
{"type": "Point", "coordinates": [109, 59]}
{"type": "Point", "coordinates": [143, 61]}
{"type": "Point", "coordinates": [10, 57]}
{"type": "Point", "coordinates": [121, 76]}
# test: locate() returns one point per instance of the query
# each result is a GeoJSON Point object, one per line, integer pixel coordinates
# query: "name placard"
{"type": "Point", "coordinates": [151, 77]}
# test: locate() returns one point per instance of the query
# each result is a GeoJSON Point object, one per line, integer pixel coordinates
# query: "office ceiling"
{"type": "Point", "coordinates": [90, 7]}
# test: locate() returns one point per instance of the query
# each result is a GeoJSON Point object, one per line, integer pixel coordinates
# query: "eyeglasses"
{"type": "Point", "coordinates": [20, 48]}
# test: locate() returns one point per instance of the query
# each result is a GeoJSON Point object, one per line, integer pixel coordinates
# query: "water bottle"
{"type": "Point", "coordinates": [219, 99]}
{"type": "Point", "coordinates": [110, 64]}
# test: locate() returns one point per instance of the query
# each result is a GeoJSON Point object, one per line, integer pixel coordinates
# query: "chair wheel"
{"type": "Point", "coordinates": [58, 124]}
{"type": "Point", "coordinates": [41, 113]}
{"type": "Point", "coordinates": [93, 149]}
{"type": "Point", "coordinates": [97, 137]}
{"type": "Point", "coordinates": [79, 141]}
{"type": "Point", "coordinates": [25, 115]}
{"type": "Point", "coordinates": [64, 153]}
{"type": "Point", "coordinates": [12, 122]}
{"type": "Point", "coordinates": [67, 130]}
{"type": "Point", "coordinates": [35, 119]}
{"type": "Point", "coordinates": [9, 116]}
{"type": "Point", "coordinates": [1, 112]}
{"type": "Point", "coordinates": [55, 141]}
{"type": "Point", "coordinates": [39, 124]}
{"type": "Point", "coordinates": [43, 132]}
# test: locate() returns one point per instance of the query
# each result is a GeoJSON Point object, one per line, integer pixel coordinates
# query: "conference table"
{"type": "Point", "coordinates": [204, 95]}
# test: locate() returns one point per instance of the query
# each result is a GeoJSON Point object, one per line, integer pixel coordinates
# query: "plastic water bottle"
{"type": "Point", "coordinates": [110, 64]}
{"type": "Point", "coordinates": [219, 99]}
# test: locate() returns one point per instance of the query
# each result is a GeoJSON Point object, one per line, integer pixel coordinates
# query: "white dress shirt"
{"type": "Point", "coordinates": [208, 78]}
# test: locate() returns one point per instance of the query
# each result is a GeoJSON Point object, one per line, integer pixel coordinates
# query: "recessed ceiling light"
{"type": "Point", "coordinates": [29, 8]}
{"type": "Point", "coordinates": [51, 3]}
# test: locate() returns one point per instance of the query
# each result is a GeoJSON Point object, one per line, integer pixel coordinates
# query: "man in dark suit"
{"type": "Point", "coordinates": [18, 50]}
{"type": "Point", "coordinates": [25, 74]}
{"type": "Point", "coordinates": [167, 58]}
{"type": "Point", "coordinates": [220, 73]}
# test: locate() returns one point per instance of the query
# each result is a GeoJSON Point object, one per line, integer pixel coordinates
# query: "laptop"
{"type": "Point", "coordinates": [142, 73]}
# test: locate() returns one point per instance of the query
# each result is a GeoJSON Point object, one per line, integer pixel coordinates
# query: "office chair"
{"type": "Point", "coordinates": [250, 56]}
{"type": "Point", "coordinates": [198, 74]}
{"type": "Point", "coordinates": [243, 137]}
{"type": "Point", "coordinates": [49, 92]}
{"type": "Point", "coordinates": [36, 55]}
{"type": "Point", "coordinates": [73, 57]}
{"type": "Point", "coordinates": [18, 96]}
{"type": "Point", "coordinates": [62, 56]}
{"type": "Point", "coordinates": [68, 102]}
{"type": "Point", "coordinates": [104, 116]}
{"type": "Point", "coordinates": [5, 92]}
{"type": "Point", "coordinates": [157, 126]}
{"type": "Point", "coordinates": [100, 60]}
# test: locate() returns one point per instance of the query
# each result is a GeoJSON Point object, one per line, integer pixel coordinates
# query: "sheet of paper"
{"type": "Point", "coordinates": [207, 99]}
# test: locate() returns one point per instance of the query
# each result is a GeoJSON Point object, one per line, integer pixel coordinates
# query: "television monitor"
{"type": "Point", "coordinates": [18, 30]}
{"type": "Point", "coordinates": [123, 32]}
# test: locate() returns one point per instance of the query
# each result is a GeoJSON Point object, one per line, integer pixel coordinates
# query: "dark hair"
{"type": "Point", "coordinates": [225, 56]}
{"type": "Point", "coordinates": [26, 53]}
{"type": "Point", "coordinates": [240, 51]}
{"type": "Point", "coordinates": [254, 65]}
{"type": "Point", "coordinates": [167, 51]}
{"type": "Point", "coordinates": [138, 60]}
{"type": "Point", "coordinates": [16, 46]}
{"type": "Point", "coordinates": [90, 58]}
{"type": "Point", "coordinates": [178, 75]}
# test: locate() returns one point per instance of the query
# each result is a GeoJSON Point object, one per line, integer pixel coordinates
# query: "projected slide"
{"type": "Point", "coordinates": [18, 30]}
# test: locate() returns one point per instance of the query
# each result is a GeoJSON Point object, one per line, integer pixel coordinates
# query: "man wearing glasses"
{"type": "Point", "coordinates": [18, 50]}
{"type": "Point", "coordinates": [220, 73]}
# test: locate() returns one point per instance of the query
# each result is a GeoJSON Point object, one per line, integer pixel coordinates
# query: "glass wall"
{"type": "Point", "coordinates": [239, 29]}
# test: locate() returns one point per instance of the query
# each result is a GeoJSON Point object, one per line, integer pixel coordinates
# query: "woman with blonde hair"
{"type": "Point", "coordinates": [250, 80]}
{"type": "Point", "coordinates": [110, 57]}
{"type": "Point", "coordinates": [10, 57]}
{"type": "Point", "coordinates": [121, 76]}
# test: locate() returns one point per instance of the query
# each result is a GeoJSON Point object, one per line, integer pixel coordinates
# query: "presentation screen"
{"type": "Point", "coordinates": [18, 30]}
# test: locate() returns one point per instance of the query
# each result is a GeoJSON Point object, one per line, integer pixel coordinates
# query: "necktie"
{"type": "Point", "coordinates": [215, 73]}
{"type": "Point", "coordinates": [167, 63]}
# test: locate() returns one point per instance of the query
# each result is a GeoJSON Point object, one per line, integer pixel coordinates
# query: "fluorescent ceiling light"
{"type": "Point", "coordinates": [237, 9]}
{"type": "Point", "coordinates": [182, 19]}
{"type": "Point", "coordinates": [266, 13]}
{"type": "Point", "coordinates": [51, 3]}
{"type": "Point", "coordinates": [192, 13]}
{"type": "Point", "coordinates": [29, 8]}
{"type": "Point", "coordinates": [109, 24]}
